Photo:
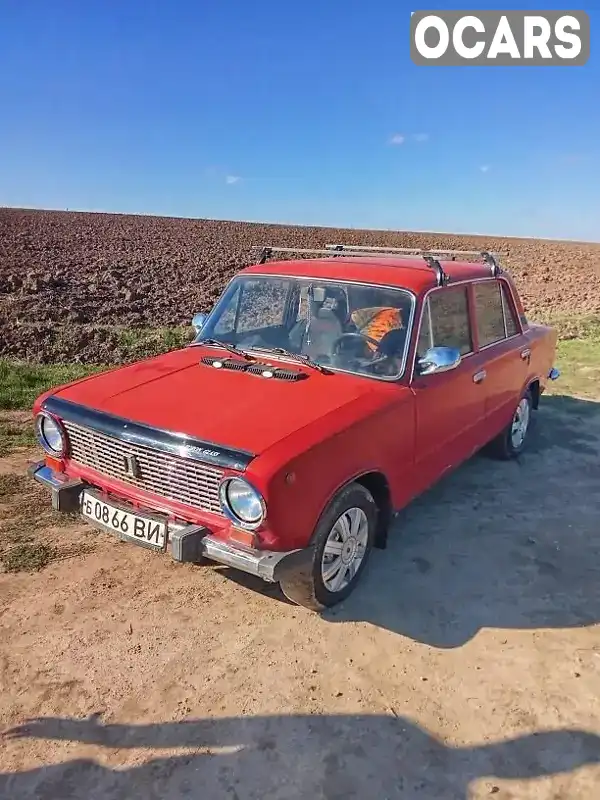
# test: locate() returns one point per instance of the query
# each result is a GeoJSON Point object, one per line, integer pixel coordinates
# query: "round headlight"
{"type": "Point", "coordinates": [241, 502]}
{"type": "Point", "coordinates": [51, 435]}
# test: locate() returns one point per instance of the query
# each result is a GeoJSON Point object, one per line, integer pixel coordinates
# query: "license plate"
{"type": "Point", "coordinates": [144, 530]}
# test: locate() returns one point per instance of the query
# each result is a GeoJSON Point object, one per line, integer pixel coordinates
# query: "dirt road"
{"type": "Point", "coordinates": [467, 665]}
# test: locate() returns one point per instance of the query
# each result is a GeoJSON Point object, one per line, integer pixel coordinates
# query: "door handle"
{"type": "Point", "coordinates": [525, 354]}
{"type": "Point", "coordinates": [479, 376]}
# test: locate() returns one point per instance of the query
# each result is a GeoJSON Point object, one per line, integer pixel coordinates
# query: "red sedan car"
{"type": "Point", "coordinates": [319, 397]}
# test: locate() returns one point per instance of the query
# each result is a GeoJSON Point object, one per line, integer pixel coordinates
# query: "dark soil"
{"type": "Point", "coordinates": [69, 281]}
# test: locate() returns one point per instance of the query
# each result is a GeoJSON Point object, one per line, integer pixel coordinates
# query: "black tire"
{"type": "Point", "coordinates": [503, 447]}
{"type": "Point", "coordinates": [304, 585]}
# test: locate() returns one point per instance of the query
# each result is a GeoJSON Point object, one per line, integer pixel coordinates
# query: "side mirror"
{"type": "Point", "coordinates": [198, 321]}
{"type": "Point", "coordinates": [439, 359]}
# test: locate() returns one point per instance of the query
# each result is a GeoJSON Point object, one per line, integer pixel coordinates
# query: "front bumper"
{"type": "Point", "coordinates": [187, 543]}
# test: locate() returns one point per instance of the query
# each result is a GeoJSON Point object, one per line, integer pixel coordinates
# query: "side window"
{"type": "Point", "coordinates": [490, 312]}
{"type": "Point", "coordinates": [446, 321]}
{"type": "Point", "coordinates": [512, 327]}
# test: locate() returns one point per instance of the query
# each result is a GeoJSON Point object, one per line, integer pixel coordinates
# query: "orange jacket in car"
{"type": "Point", "coordinates": [375, 322]}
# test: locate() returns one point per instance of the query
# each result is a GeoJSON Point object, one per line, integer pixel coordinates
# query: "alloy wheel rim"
{"type": "Point", "coordinates": [345, 549]}
{"type": "Point", "coordinates": [520, 424]}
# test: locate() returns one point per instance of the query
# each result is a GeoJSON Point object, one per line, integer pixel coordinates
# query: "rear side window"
{"type": "Point", "coordinates": [490, 312]}
{"type": "Point", "coordinates": [445, 321]}
{"type": "Point", "coordinates": [512, 327]}
{"type": "Point", "coordinates": [495, 315]}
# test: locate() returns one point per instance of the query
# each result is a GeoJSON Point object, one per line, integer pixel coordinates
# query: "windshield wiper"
{"type": "Point", "coordinates": [303, 359]}
{"type": "Point", "coordinates": [237, 351]}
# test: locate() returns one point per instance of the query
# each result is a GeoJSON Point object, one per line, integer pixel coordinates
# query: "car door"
{"type": "Point", "coordinates": [450, 406]}
{"type": "Point", "coordinates": [506, 352]}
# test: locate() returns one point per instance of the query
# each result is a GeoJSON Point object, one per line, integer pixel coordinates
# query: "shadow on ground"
{"type": "Point", "coordinates": [330, 757]}
{"type": "Point", "coordinates": [493, 545]}
{"type": "Point", "coordinates": [496, 544]}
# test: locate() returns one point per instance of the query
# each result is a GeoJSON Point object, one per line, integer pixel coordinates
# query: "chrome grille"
{"type": "Point", "coordinates": [186, 481]}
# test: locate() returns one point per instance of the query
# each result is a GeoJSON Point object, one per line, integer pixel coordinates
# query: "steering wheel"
{"type": "Point", "coordinates": [383, 352]}
{"type": "Point", "coordinates": [364, 337]}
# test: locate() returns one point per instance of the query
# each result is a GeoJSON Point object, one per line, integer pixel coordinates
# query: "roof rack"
{"type": "Point", "coordinates": [429, 256]}
{"type": "Point", "coordinates": [427, 253]}
{"type": "Point", "coordinates": [267, 252]}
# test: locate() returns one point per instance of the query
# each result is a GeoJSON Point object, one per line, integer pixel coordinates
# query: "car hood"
{"type": "Point", "coordinates": [176, 392]}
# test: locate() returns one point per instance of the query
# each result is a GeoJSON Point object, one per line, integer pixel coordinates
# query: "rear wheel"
{"type": "Point", "coordinates": [512, 441]}
{"type": "Point", "coordinates": [340, 549]}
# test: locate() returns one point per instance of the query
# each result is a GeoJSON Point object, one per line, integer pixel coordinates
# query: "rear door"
{"type": "Point", "coordinates": [450, 406]}
{"type": "Point", "coordinates": [507, 352]}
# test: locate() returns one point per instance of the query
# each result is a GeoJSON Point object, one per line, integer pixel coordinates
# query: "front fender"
{"type": "Point", "coordinates": [299, 489]}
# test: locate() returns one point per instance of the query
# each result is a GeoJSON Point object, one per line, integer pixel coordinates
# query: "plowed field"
{"type": "Point", "coordinates": [74, 285]}
{"type": "Point", "coordinates": [465, 665]}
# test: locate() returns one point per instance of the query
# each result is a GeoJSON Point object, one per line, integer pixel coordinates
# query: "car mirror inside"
{"type": "Point", "coordinates": [439, 359]}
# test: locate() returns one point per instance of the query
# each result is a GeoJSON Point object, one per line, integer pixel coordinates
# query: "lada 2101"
{"type": "Point", "coordinates": [319, 396]}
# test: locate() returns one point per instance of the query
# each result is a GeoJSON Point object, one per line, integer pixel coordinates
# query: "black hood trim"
{"type": "Point", "coordinates": [126, 430]}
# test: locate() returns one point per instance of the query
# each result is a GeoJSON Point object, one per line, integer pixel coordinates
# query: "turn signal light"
{"type": "Point", "coordinates": [55, 464]}
{"type": "Point", "coordinates": [247, 538]}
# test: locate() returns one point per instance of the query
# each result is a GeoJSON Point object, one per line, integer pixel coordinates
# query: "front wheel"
{"type": "Point", "coordinates": [511, 442]}
{"type": "Point", "coordinates": [339, 550]}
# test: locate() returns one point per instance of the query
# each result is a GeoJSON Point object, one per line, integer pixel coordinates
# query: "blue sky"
{"type": "Point", "coordinates": [286, 112]}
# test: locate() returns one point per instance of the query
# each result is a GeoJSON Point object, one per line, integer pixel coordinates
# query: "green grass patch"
{"type": "Point", "coordinates": [21, 383]}
{"type": "Point", "coordinates": [577, 354]}
{"type": "Point", "coordinates": [574, 326]}
{"type": "Point", "coordinates": [144, 342]}
{"type": "Point", "coordinates": [578, 358]}
{"type": "Point", "coordinates": [15, 435]}
{"type": "Point", "coordinates": [27, 557]}
{"type": "Point", "coordinates": [579, 363]}
{"type": "Point", "coordinates": [26, 515]}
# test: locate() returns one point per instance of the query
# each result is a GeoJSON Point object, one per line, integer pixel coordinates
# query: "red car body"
{"type": "Point", "coordinates": [301, 442]}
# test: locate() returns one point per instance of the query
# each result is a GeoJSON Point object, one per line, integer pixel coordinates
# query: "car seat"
{"type": "Point", "coordinates": [324, 325]}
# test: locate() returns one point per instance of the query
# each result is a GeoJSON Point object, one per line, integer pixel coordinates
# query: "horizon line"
{"type": "Point", "coordinates": [427, 232]}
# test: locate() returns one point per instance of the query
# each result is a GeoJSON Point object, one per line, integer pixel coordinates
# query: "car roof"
{"type": "Point", "coordinates": [405, 273]}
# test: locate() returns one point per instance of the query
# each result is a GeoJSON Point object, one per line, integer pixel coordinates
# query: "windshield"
{"type": "Point", "coordinates": [344, 326]}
